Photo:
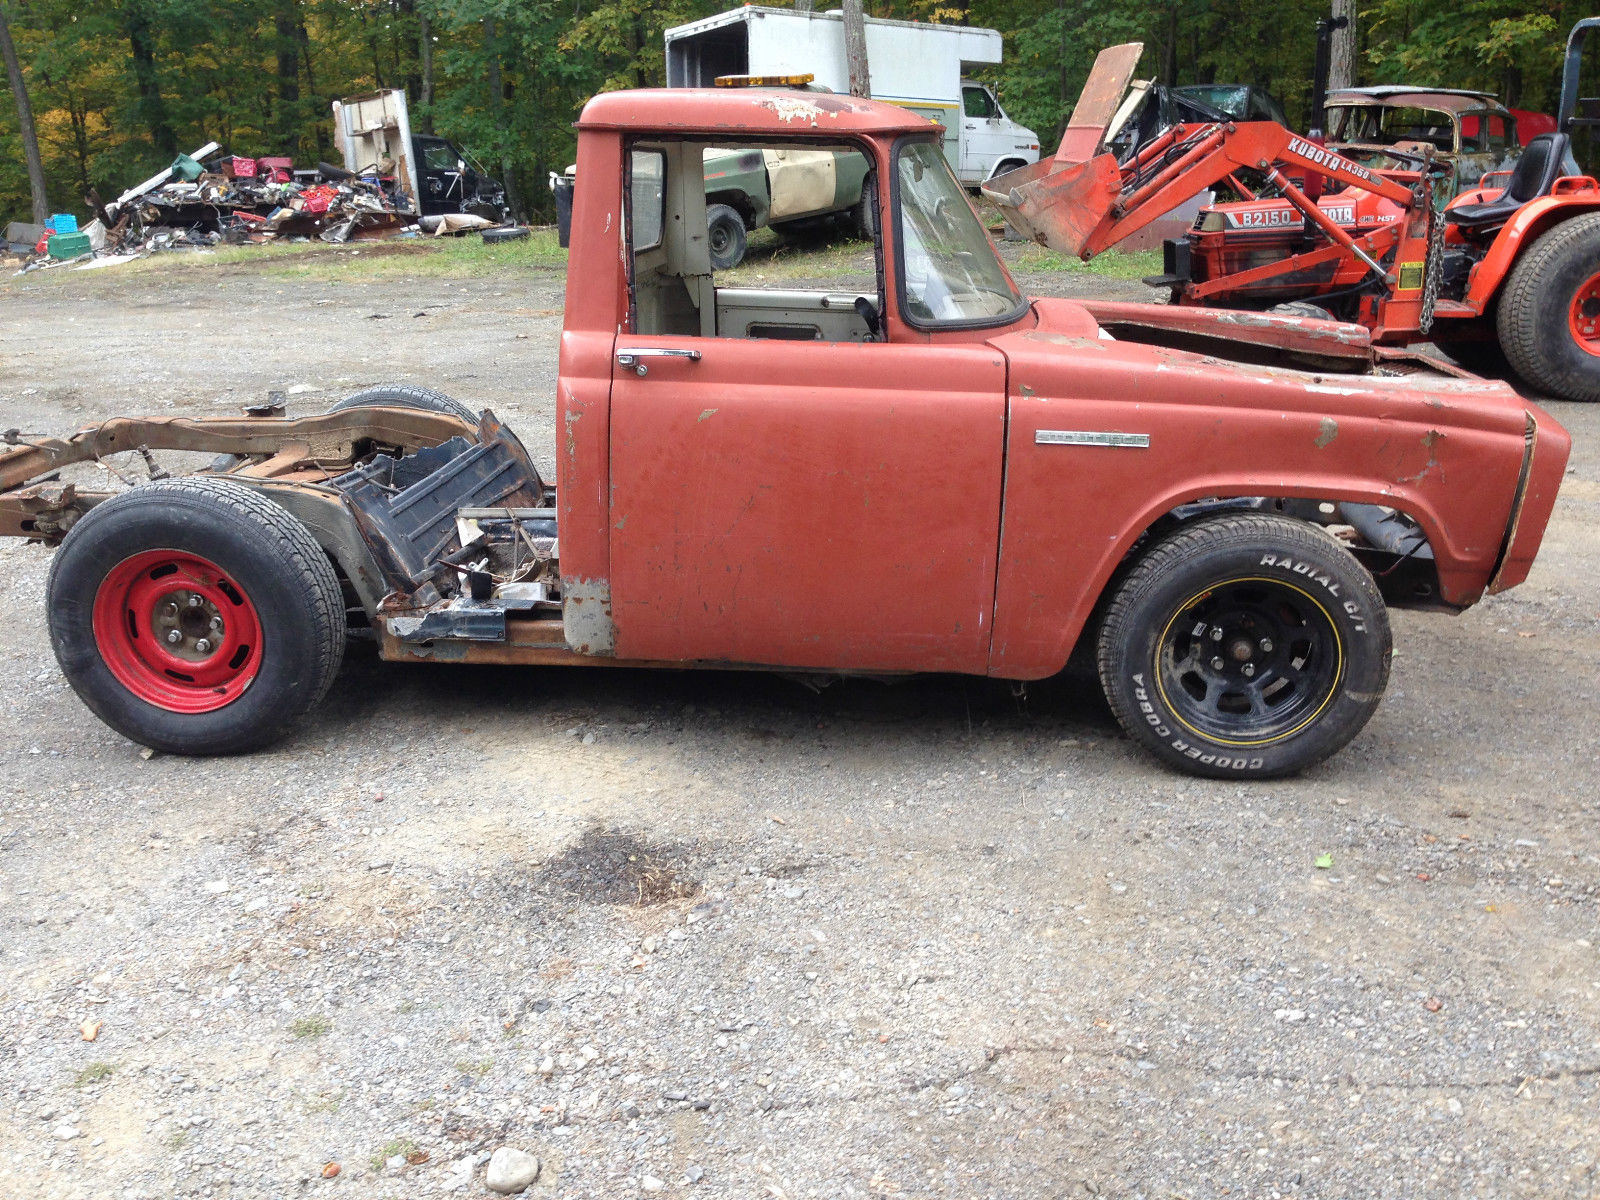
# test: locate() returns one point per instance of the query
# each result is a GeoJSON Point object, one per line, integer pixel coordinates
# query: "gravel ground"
{"type": "Point", "coordinates": [714, 935]}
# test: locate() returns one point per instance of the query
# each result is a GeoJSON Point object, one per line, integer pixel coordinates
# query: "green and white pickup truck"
{"type": "Point", "coordinates": [746, 189]}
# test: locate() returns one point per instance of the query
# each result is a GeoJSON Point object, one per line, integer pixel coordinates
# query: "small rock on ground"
{"type": "Point", "coordinates": [511, 1170]}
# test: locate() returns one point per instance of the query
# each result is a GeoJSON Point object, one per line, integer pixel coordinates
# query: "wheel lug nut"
{"type": "Point", "coordinates": [1249, 670]}
{"type": "Point", "coordinates": [216, 624]}
{"type": "Point", "coordinates": [1216, 633]}
{"type": "Point", "coordinates": [1217, 664]}
{"type": "Point", "coordinates": [195, 601]}
{"type": "Point", "coordinates": [203, 646]}
{"type": "Point", "coordinates": [171, 608]}
{"type": "Point", "coordinates": [174, 637]}
{"type": "Point", "coordinates": [1266, 645]}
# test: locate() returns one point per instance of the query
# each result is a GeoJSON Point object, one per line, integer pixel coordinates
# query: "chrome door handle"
{"type": "Point", "coordinates": [635, 358]}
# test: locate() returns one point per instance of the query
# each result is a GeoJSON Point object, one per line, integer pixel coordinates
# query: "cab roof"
{"type": "Point", "coordinates": [725, 112]}
{"type": "Point", "coordinates": [1452, 100]}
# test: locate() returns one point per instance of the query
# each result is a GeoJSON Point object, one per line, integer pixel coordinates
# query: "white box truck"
{"type": "Point", "coordinates": [917, 66]}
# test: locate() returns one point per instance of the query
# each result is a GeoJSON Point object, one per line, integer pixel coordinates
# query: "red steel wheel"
{"type": "Point", "coordinates": [1583, 315]}
{"type": "Point", "coordinates": [195, 616]}
{"type": "Point", "coordinates": [177, 632]}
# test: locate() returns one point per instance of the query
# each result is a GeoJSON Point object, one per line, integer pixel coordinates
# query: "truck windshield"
{"type": "Point", "coordinates": [948, 268]}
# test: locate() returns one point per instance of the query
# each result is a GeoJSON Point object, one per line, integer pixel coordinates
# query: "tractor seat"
{"type": "Point", "coordinates": [1535, 173]}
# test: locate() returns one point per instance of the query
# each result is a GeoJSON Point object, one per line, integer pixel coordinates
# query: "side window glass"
{"type": "Point", "coordinates": [437, 156]}
{"type": "Point", "coordinates": [647, 199]}
{"type": "Point", "coordinates": [977, 102]}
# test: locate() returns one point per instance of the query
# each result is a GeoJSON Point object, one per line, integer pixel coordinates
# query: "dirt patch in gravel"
{"type": "Point", "coordinates": [607, 866]}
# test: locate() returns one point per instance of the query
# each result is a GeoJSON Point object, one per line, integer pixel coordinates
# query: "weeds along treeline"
{"type": "Point", "coordinates": [119, 87]}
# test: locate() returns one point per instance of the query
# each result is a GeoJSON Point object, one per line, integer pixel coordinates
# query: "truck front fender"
{"type": "Point", "coordinates": [1109, 438]}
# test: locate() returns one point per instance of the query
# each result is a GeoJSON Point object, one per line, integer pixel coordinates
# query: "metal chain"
{"type": "Point", "coordinates": [1433, 269]}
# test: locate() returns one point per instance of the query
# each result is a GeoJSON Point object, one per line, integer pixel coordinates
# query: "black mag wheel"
{"type": "Point", "coordinates": [1250, 660]}
{"type": "Point", "coordinates": [1247, 645]}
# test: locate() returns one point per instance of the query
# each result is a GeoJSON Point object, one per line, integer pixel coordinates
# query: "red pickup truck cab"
{"type": "Point", "coordinates": [931, 473]}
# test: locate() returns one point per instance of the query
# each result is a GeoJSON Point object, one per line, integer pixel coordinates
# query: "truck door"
{"type": "Point", "coordinates": [441, 174]}
{"type": "Point", "coordinates": [983, 138]}
{"type": "Point", "coordinates": [827, 502]}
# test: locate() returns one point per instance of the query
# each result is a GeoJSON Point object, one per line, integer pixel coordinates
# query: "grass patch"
{"type": "Point", "coordinates": [477, 1068]}
{"type": "Point", "coordinates": [1113, 264]}
{"type": "Point", "coordinates": [95, 1072]}
{"type": "Point", "coordinates": [819, 254]}
{"type": "Point", "coordinates": [402, 1146]}
{"type": "Point", "coordinates": [310, 1027]}
{"type": "Point", "coordinates": [465, 257]}
{"type": "Point", "coordinates": [177, 1139]}
{"type": "Point", "coordinates": [327, 1103]}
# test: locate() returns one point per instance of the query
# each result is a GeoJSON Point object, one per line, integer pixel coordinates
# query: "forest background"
{"type": "Point", "coordinates": [118, 87]}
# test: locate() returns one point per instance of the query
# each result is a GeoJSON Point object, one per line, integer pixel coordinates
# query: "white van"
{"type": "Point", "coordinates": [912, 64]}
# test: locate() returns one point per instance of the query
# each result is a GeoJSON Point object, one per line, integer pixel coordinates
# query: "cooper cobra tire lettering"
{"type": "Point", "coordinates": [1224, 569]}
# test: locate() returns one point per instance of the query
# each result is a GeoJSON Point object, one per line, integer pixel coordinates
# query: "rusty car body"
{"type": "Point", "coordinates": [933, 474]}
{"type": "Point", "coordinates": [1393, 127]}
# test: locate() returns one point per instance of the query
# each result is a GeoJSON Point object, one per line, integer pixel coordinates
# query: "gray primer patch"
{"type": "Point", "coordinates": [586, 616]}
{"type": "Point", "coordinates": [1329, 431]}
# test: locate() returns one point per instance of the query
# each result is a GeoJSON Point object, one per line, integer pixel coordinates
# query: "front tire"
{"type": "Point", "coordinates": [728, 239]}
{"type": "Point", "coordinates": [1250, 646]}
{"type": "Point", "coordinates": [195, 616]}
{"type": "Point", "coordinates": [1549, 319]}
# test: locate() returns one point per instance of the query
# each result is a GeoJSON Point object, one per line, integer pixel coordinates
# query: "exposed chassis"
{"type": "Point", "coordinates": [420, 513]}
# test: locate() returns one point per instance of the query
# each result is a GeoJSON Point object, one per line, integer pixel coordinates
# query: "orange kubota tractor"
{"type": "Point", "coordinates": [1508, 272]}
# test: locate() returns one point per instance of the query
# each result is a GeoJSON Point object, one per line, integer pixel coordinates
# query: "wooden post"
{"type": "Point", "coordinates": [855, 48]}
{"type": "Point", "coordinates": [802, 5]}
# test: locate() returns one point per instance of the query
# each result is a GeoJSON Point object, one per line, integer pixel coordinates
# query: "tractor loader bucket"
{"type": "Point", "coordinates": [1056, 206]}
{"type": "Point", "coordinates": [1060, 201]}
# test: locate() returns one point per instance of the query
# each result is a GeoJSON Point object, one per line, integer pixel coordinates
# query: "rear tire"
{"type": "Point", "coordinates": [1549, 319]}
{"type": "Point", "coordinates": [728, 239]}
{"type": "Point", "coordinates": [1245, 646]}
{"type": "Point", "coordinates": [405, 395]}
{"type": "Point", "coordinates": [195, 616]}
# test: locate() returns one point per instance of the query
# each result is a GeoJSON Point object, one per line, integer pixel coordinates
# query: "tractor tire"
{"type": "Point", "coordinates": [728, 238]}
{"type": "Point", "coordinates": [1549, 320]}
{"type": "Point", "coordinates": [195, 616]}
{"type": "Point", "coordinates": [1245, 646]}
{"type": "Point", "coordinates": [405, 395]}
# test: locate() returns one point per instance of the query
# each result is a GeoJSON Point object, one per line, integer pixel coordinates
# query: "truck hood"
{"type": "Point", "coordinates": [1234, 358]}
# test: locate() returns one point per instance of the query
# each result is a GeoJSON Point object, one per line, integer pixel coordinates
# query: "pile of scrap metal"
{"type": "Point", "coordinates": [210, 198]}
